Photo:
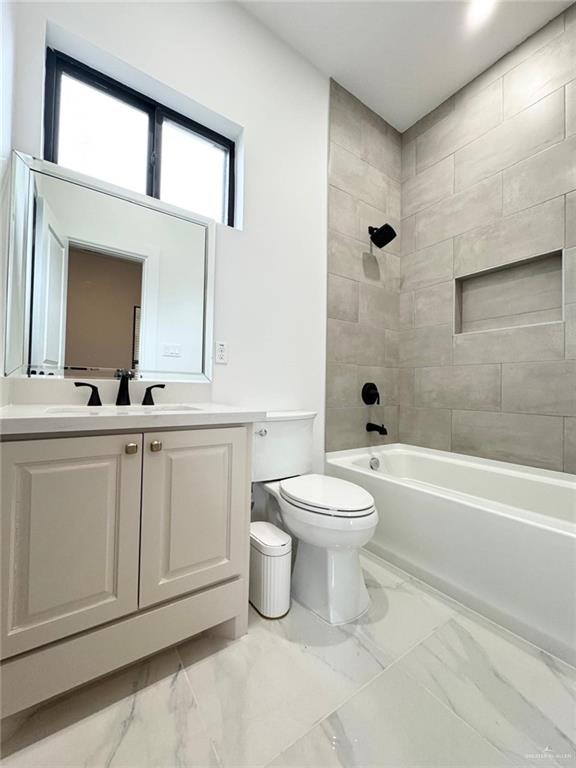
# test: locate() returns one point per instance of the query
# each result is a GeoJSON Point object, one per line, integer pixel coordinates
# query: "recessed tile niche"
{"type": "Point", "coordinates": [526, 292]}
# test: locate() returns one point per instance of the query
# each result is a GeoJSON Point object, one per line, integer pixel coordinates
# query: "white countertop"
{"type": "Point", "coordinates": [53, 419]}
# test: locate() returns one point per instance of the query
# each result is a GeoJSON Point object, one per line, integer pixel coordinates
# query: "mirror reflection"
{"type": "Point", "coordinates": [113, 284]}
{"type": "Point", "coordinates": [94, 337]}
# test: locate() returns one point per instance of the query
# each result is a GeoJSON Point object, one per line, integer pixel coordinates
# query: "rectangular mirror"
{"type": "Point", "coordinates": [101, 279]}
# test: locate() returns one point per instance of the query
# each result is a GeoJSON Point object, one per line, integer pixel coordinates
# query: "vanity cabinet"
{"type": "Point", "coordinates": [70, 536]}
{"type": "Point", "coordinates": [111, 527]}
{"type": "Point", "coordinates": [193, 501]}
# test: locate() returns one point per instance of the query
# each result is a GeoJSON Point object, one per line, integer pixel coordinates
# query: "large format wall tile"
{"type": "Point", "coordinates": [428, 427]}
{"type": "Point", "coordinates": [543, 176]}
{"type": "Point", "coordinates": [346, 428]}
{"type": "Point", "coordinates": [529, 233]}
{"type": "Point", "coordinates": [341, 385]}
{"type": "Point", "coordinates": [434, 305]}
{"type": "Point", "coordinates": [571, 108]}
{"type": "Point", "coordinates": [378, 306]}
{"type": "Point", "coordinates": [356, 177]}
{"type": "Point", "coordinates": [406, 386]}
{"type": "Point", "coordinates": [342, 298]}
{"type": "Point", "coordinates": [430, 120]}
{"type": "Point", "coordinates": [408, 159]}
{"type": "Point", "coordinates": [343, 341]}
{"type": "Point", "coordinates": [546, 388]}
{"type": "Point", "coordinates": [408, 243]}
{"type": "Point", "coordinates": [570, 313]}
{"type": "Point", "coordinates": [474, 207]}
{"type": "Point", "coordinates": [571, 219]}
{"type": "Point", "coordinates": [359, 130]}
{"type": "Point", "coordinates": [520, 137]}
{"type": "Point", "coordinates": [430, 345]}
{"type": "Point", "coordinates": [570, 275]}
{"type": "Point", "coordinates": [351, 217]}
{"type": "Point", "coordinates": [547, 70]}
{"type": "Point", "coordinates": [533, 440]}
{"type": "Point", "coordinates": [406, 311]}
{"type": "Point", "coordinates": [429, 186]}
{"type": "Point", "coordinates": [345, 122]}
{"type": "Point", "coordinates": [428, 266]}
{"type": "Point", "coordinates": [474, 117]}
{"type": "Point", "coordinates": [475, 387]}
{"type": "Point", "coordinates": [345, 256]}
{"type": "Point", "coordinates": [342, 212]}
{"type": "Point", "coordinates": [510, 345]}
{"type": "Point", "coordinates": [570, 445]}
{"type": "Point", "coordinates": [511, 60]}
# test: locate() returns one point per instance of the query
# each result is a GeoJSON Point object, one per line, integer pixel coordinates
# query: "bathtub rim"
{"type": "Point", "coordinates": [525, 516]}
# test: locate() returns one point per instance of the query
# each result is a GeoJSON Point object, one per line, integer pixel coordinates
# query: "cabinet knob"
{"type": "Point", "coordinates": [156, 445]}
{"type": "Point", "coordinates": [131, 448]}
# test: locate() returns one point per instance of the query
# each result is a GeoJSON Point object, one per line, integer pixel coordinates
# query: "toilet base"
{"type": "Point", "coordinates": [330, 583]}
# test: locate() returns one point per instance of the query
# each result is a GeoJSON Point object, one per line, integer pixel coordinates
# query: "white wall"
{"type": "Point", "coordinates": [6, 84]}
{"type": "Point", "coordinates": [271, 275]}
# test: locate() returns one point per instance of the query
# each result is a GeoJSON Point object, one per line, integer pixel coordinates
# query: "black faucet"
{"type": "Point", "coordinates": [380, 428]}
{"type": "Point", "coordinates": [123, 396]}
{"type": "Point", "coordinates": [94, 394]}
{"type": "Point", "coordinates": [148, 399]}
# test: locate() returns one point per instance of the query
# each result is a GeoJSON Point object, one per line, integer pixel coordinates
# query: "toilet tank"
{"type": "Point", "coordinates": [282, 445]}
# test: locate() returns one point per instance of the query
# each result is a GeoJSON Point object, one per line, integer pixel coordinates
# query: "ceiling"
{"type": "Point", "coordinates": [402, 57]}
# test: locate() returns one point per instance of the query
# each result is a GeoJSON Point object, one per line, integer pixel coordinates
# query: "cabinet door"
{"type": "Point", "coordinates": [195, 511]}
{"type": "Point", "coordinates": [70, 536]}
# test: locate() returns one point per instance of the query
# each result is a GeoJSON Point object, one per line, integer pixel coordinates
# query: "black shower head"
{"type": "Point", "coordinates": [381, 236]}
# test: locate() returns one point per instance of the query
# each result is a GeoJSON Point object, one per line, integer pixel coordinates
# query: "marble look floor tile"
{"type": "Point", "coordinates": [400, 614]}
{"type": "Point", "coordinates": [261, 693]}
{"type": "Point", "coordinates": [143, 717]}
{"type": "Point", "coordinates": [519, 698]}
{"type": "Point", "coordinates": [392, 723]}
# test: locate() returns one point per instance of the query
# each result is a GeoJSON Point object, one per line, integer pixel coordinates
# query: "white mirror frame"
{"type": "Point", "coordinates": [56, 171]}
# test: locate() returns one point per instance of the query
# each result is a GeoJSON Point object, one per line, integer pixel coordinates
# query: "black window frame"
{"type": "Point", "coordinates": [58, 63]}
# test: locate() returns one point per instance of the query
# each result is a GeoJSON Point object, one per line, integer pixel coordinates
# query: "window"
{"type": "Point", "coordinates": [97, 126]}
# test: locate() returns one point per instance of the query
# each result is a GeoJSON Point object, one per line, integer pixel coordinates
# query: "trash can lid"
{"type": "Point", "coordinates": [269, 539]}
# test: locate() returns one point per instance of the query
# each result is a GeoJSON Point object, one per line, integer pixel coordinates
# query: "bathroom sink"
{"type": "Point", "coordinates": [120, 410]}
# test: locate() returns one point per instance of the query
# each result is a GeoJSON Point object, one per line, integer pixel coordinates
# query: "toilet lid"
{"type": "Point", "coordinates": [327, 495]}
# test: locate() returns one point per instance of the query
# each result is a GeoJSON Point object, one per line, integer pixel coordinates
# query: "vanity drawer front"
{"type": "Point", "coordinates": [70, 530]}
{"type": "Point", "coordinates": [195, 511]}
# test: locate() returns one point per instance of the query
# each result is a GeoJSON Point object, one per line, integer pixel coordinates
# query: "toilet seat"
{"type": "Point", "coordinates": [328, 496]}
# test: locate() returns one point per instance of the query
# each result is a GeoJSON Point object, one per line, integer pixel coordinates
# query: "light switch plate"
{"type": "Point", "coordinates": [172, 350]}
{"type": "Point", "coordinates": [221, 353]}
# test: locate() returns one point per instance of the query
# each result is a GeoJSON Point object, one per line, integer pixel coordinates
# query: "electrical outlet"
{"type": "Point", "coordinates": [221, 353]}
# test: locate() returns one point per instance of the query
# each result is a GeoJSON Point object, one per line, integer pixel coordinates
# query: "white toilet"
{"type": "Point", "coordinates": [331, 518]}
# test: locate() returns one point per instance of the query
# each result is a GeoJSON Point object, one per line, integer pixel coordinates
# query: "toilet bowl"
{"type": "Point", "coordinates": [330, 518]}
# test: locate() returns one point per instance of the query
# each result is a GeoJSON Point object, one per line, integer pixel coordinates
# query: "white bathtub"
{"type": "Point", "coordinates": [500, 538]}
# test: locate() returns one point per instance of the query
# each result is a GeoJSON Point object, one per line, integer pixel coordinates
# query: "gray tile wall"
{"type": "Point", "coordinates": [486, 179]}
{"type": "Point", "coordinates": [489, 178]}
{"type": "Point", "coordinates": [363, 289]}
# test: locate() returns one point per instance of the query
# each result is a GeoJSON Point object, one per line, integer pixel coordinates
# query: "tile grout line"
{"type": "Point", "coordinates": [198, 708]}
{"type": "Point", "coordinates": [404, 578]}
{"type": "Point", "coordinates": [345, 701]}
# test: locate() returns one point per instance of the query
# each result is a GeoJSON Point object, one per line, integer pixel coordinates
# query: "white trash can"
{"type": "Point", "coordinates": [270, 567]}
